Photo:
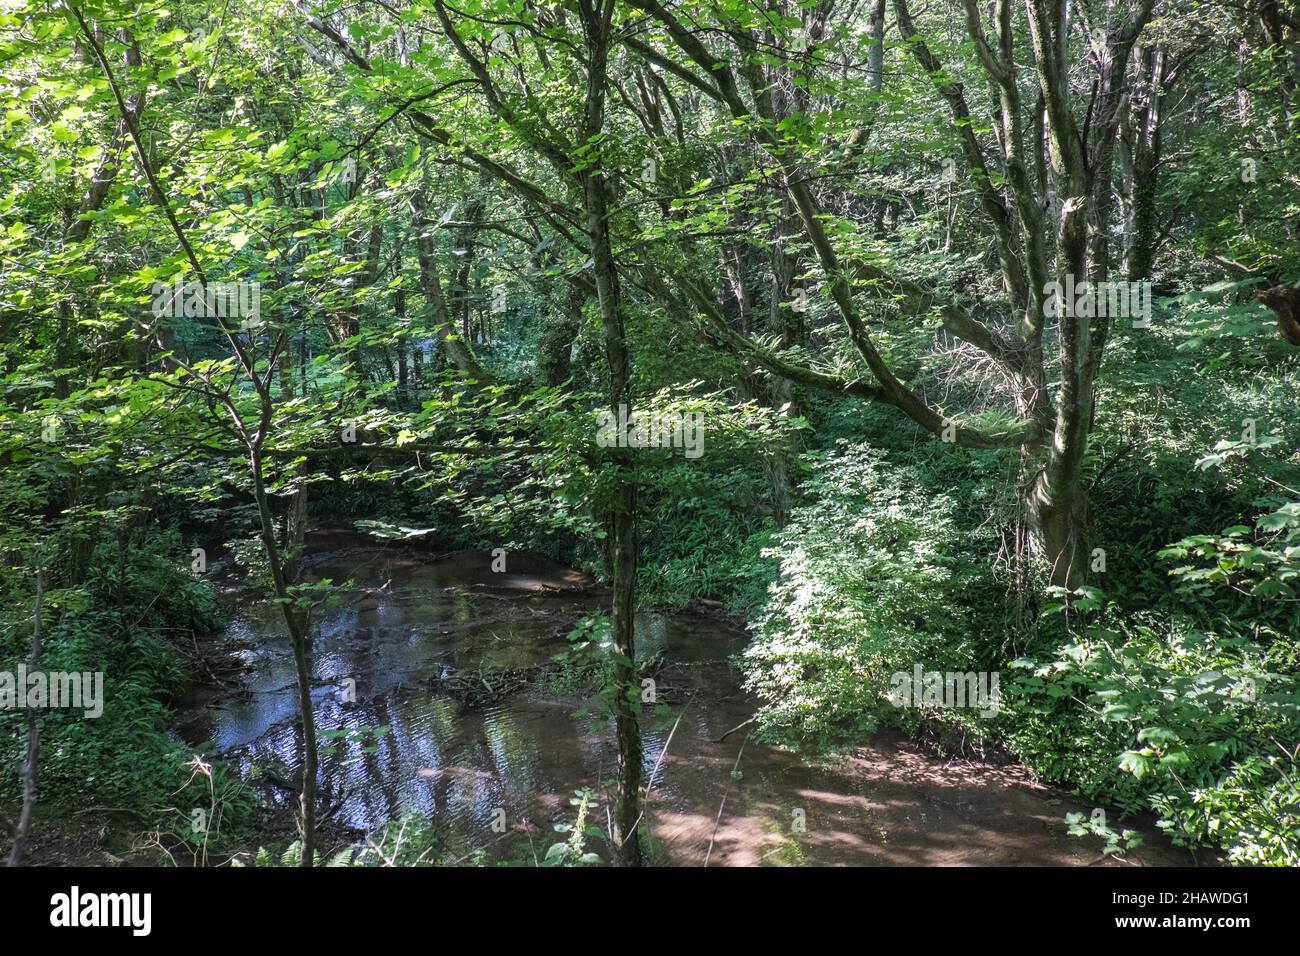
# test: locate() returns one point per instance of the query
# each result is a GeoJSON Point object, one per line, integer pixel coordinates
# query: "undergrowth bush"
{"type": "Point", "coordinates": [138, 608]}
{"type": "Point", "coordinates": [1158, 714]}
{"type": "Point", "coordinates": [872, 580]}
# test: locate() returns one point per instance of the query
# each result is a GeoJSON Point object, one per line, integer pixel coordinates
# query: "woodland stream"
{"type": "Point", "coordinates": [458, 663]}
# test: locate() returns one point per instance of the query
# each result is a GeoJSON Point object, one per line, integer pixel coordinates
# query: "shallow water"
{"type": "Point", "coordinates": [410, 618]}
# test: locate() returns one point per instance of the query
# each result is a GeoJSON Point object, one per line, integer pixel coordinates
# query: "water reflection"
{"type": "Point", "coordinates": [410, 618]}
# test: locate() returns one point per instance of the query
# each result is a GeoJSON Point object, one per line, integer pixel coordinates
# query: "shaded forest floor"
{"type": "Point", "coordinates": [911, 808]}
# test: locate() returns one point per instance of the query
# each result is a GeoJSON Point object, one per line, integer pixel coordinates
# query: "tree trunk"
{"type": "Point", "coordinates": [295, 621]}
{"type": "Point", "coordinates": [403, 373]}
{"type": "Point", "coordinates": [623, 520]}
{"type": "Point", "coordinates": [33, 737]}
{"type": "Point", "coordinates": [456, 346]}
{"type": "Point", "coordinates": [1146, 163]}
{"type": "Point", "coordinates": [560, 328]}
{"type": "Point", "coordinates": [876, 58]}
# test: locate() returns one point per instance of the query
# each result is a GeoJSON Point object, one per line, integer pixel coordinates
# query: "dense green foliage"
{"type": "Point", "coordinates": [823, 231]}
{"type": "Point", "coordinates": [134, 621]}
{"type": "Point", "coordinates": [1171, 686]}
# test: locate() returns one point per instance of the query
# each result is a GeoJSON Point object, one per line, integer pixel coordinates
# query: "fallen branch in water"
{"type": "Point", "coordinates": [735, 728]}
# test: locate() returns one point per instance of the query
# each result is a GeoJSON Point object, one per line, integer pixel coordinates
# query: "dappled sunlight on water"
{"type": "Point", "coordinates": [410, 620]}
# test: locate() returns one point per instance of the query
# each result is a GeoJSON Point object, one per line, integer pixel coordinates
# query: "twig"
{"type": "Point", "coordinates": [718, 819]}
{"type": "Point", "coordinates": [653, 773]}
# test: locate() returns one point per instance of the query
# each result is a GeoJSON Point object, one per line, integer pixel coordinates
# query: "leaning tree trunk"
{"type": "Point", "coordinates": [456, 346]}
{"type": "Point", "coordinates": [254, 440]}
